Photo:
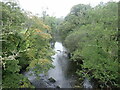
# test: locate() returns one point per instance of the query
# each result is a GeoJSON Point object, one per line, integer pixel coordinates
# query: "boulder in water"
{"type": "Point", "coordinates": [59, 51]}
{"type": "Point", "coordinates": [87, 83]}
{"type": "Point", "coordinates": [57, 86]}
{"type": "Point", "coordinates": [52, 80]}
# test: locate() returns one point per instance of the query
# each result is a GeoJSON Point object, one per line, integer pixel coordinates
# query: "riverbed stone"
{"type": "Point", "coordinates": [57, 86]}
{"type": "Point", "coordinates": [52, 80]}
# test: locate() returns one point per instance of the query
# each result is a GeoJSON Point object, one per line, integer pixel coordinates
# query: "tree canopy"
{"type": "Point", "coordinates": [25, 43]}
{"type": "Point", "coordinates": [91, 36]}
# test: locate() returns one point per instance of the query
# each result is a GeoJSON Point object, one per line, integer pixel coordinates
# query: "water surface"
{"type": "Point", "coordinates": [61, 72]}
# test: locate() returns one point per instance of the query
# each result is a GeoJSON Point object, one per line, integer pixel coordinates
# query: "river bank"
{"type": "Point", "coordinates": [61, 76]}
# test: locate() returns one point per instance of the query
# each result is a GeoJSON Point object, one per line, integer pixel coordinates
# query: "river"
{"type": "Point", "coordinates": [61, 63]}
{"type": "Point", "coordinates": [60, 73]}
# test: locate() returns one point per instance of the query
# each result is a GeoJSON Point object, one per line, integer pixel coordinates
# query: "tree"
{"type": "Point", "coordinates": [90, 34]}
{"type": "Point", "coordinates": [25, 41]}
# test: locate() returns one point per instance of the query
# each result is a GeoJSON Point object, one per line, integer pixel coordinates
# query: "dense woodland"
{"type": "Point", "coordinates": [90, 35]}
{"type": "Point", "coordinates": [25, 45]}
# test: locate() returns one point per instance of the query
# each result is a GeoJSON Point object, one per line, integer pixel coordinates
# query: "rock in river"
{"type": "Point", "coordinates": [57, 86]}
{"type": "Point", "coordinates": [52, 80]}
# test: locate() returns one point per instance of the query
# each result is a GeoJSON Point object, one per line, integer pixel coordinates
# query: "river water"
{"type": "Point", "coordinates": [61, 63]}
{"type": "Point", "coordinates": [60, 73]}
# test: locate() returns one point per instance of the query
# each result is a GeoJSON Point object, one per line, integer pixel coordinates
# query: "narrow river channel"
{"type": "Point", "coordinates": [61, 63]}
{"type": "Point", "coordinates": [62, 78]}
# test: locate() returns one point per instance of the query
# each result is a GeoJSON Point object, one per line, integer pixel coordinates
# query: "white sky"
{"type": "Point", "coordinates": [56, 8]}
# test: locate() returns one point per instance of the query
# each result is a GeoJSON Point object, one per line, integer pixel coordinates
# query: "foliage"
{"type": "Point", "coordinates": [25, 41]}
{"type": "Point", "coordinates": [53, 22]}
{"type": "Point", "coordinates": [90, 34]}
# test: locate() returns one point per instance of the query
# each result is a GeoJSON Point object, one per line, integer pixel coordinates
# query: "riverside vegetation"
{"type": "Point", "coordinates": [89, 34]}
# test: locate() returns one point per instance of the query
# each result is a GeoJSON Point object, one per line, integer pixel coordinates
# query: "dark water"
{"type": "Point", "coordinates": [60, 73]}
